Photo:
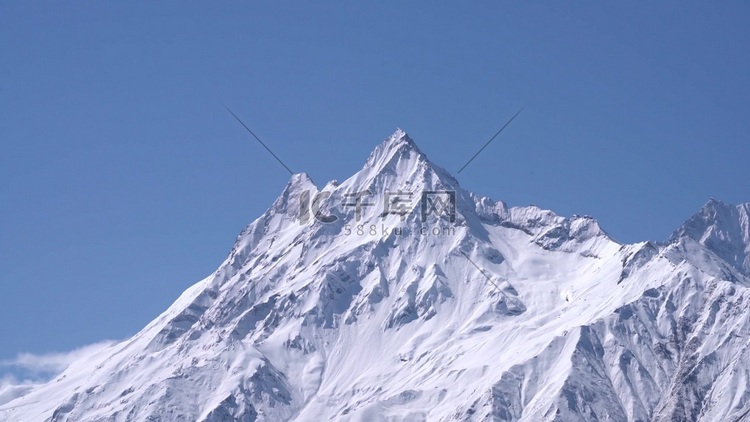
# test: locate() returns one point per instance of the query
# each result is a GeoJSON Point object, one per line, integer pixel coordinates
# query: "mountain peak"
{"type": "Point", "coordinates": [722, 228]}
{"type": "Point", "coordinates": [397, 163]}
{"type": "Point", "coordinates": [401, 137]}
{"type": "Point", "coordinates": [399, 144]}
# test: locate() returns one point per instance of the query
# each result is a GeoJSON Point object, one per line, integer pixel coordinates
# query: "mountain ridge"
{"type": "Point", "coordinates": [468, 310]}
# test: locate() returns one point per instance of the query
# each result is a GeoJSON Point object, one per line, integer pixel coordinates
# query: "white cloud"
{"type": "Point", "coordinates": [55, 362]}
{"type": "Point", "coordinates": [11, 388]}
{"type": "Point", "coordinates": [39, 368]}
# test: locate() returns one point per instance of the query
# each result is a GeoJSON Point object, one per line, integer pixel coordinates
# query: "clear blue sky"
{"type": "Point", "coordinates": [124, 180]}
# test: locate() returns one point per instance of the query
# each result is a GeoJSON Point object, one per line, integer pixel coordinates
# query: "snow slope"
{"type": "Point", "coordinates": [504, 314]}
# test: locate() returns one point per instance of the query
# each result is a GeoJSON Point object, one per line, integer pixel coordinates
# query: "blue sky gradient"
{"type": "Point", "coordinates": [125, 180]}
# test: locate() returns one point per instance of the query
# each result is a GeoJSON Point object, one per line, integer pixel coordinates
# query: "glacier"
{"type": "Point", "coordinates": [479, 312]}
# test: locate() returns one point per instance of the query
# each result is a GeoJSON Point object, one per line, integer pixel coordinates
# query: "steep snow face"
{"type": "Point", "coordinates": [397, 295]}
{"type": "Point", "coordinates": [724, 229]}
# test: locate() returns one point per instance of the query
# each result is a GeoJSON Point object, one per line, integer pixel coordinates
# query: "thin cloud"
{"type": "Point", "coordinates": [29, 370]}
{"type": "Point", "coordinates": [54, 362]}
{"type": "Point", "coordinates": [12, 388]}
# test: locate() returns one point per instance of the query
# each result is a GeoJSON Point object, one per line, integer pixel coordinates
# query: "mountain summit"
{"type": "Point", "coordinates": [397, 295]}
{"type": "Point", "coordinates": [398, 143]}
{"type": "Point", "coordinates": [724, 229]}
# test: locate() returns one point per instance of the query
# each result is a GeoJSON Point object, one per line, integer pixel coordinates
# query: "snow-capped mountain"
{"type": "Point", "coordinates": [397, 295]}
